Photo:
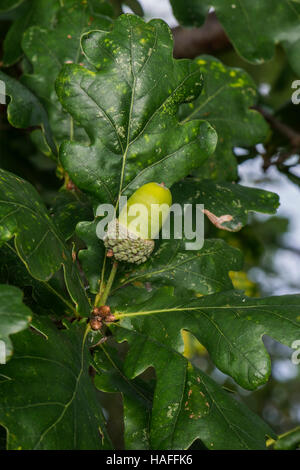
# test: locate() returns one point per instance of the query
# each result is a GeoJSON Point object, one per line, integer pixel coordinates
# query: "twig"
{"type": "Point", "coordinates": [286, 131]}
{"type": "Point", "coordinates": [102, 297]}
{"type": "Point", "coordinates": [292, 249]}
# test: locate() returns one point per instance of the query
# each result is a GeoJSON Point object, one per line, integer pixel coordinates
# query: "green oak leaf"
{"type": "Point", "coordinates": [254, 28]}
{"type": "Point", "coordinates": [68, 209]}
{"type": "Point", "coordinates": [229, 325]}
{"type": "Point", "coordinates": [49, 49]}
{"type": "Point", "coordinates": [228, 94]}
{"type": "Point", "coordinates": [134, 132]}
{"type": "Point", "coordinates": [230, 203]}
{"type": "Point", "coordinates": [35, 12]}
{"type": "Point", "coordinates": [204, 271]}
{"type": "Point", "coordinates": [43, 13]}
{"type": "Point", "coordinates": [187, 404]}
{"type": "Point", "coordinates": [37, 240]}
{"type": "Point", "coordinates": [47, 297]}
{"type": "Point", "coordinates": [289, 440]}
{"type": "Point", "coordinates": [92, 257]}
{"type": "Point", "coordinates": [47, 399]}
{"type": "Point", "coordinates": [25, 109]}
{"type": "Point", "coordinates": [14, 316]}
{"type": "Point", "coordinates": [136, 401]}
{"type": "Point", "coordinates": [12, 270]}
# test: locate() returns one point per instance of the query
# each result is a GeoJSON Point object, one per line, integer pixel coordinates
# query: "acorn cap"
{"type": "Point", "coordinates": [127, 246]}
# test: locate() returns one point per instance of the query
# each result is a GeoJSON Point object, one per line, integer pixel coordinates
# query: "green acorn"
{"type": "Point", "coordinates": [131, 236]}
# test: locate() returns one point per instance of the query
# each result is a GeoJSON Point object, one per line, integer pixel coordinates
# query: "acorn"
{"type": "Point", "coordinates": [130, 237]}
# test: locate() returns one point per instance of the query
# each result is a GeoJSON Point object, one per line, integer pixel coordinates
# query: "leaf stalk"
{"type": "Point", "coordinates": [102, 296]}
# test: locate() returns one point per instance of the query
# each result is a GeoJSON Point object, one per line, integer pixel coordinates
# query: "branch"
{"type": "Point", "coordinates": [283, 129]}
{"type": "Point", "coordinates": [286, 131]}
{"type": "Point", "coordinates": [211, 37]}
{"type": "Point", "coordinates": [292, 249]}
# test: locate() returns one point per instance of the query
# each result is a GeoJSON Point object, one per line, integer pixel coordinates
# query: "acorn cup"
{"type": "Point", "coordinates": [131, 236]}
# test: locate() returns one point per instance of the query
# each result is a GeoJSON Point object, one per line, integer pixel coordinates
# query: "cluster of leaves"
{"type": "Point", "coordinates": [262, 31]}
{"type": "Point", "coordinates": [253, 28]}
{"type": "Point", "coordinates": [105, 100]}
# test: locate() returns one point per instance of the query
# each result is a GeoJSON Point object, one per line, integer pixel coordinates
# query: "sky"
{"type": "Point", "coordinates": [159, 9]}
